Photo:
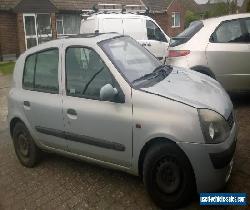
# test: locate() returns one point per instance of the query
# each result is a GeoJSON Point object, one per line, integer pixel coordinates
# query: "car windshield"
{"type": "Point", "coordinates": [133, 61]}
{"type": "Point", "coordinates": [187, 34]}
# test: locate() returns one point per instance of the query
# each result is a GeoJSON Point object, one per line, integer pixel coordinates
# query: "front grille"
{"type": "Point", "coordinates": [230, 120]}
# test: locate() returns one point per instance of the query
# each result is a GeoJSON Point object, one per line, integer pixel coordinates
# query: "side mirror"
{"type": "Point", "coordinates": [108, 93]}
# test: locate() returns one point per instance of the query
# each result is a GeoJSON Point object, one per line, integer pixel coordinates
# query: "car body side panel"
{"type": "Point", "coordinates": [165, 121]}
{"type": "Point", "coordinates": [230, 64]}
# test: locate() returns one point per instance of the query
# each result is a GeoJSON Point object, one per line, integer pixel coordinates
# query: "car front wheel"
{"type": "Point", "coordinates": [168, 175]}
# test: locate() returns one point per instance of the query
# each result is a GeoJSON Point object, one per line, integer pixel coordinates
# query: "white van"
{"type": "Point", "coordinates": [140, 27]}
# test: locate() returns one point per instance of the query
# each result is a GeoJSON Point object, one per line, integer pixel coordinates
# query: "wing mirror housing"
{"type": "Point", "coordinates": [108, 93]}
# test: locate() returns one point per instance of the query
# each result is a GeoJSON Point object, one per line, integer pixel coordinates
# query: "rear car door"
{"type": "Point", "coordinates": [42, 100]}
{"type": "Point", "coordinates": [94, 128]}
{"type": "Point", "coordinates": [228, 55]}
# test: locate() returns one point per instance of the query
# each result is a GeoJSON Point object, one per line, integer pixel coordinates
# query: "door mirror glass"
{"type": "Point", "coordinates": [108, 93]}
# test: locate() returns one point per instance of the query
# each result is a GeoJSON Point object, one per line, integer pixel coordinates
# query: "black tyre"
{"type": "Point", "coordinates": [26, 150]}
{"type": "Point", "coordinates": [168, 176]}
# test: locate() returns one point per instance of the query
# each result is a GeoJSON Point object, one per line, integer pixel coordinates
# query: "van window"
{"type": "Point", "coordinates": [154, 32]}
{"type": "Point", "coordinates": [41, 71]}
{"type": "Point", "coordinates": [86, 73]}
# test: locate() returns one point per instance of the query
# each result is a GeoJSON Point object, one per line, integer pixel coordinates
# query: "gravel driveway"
{"type": "Point", "coordinates": [61, 183]}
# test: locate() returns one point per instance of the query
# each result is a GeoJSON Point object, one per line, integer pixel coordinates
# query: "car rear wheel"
{"type": "Point", "coordinates": [168, 176]}
{"type": "Point", "coordinates": [26, 150]}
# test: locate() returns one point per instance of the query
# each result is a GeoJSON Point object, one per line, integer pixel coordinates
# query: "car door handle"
{"type": "Point", "coordinates": [26, 103]}
{"type": "Point", "coordinates": [144, 44]}
{"type": "Point", "coordinates": [149, 45]}
{"type": "Point", "coordinates": [72, 113]}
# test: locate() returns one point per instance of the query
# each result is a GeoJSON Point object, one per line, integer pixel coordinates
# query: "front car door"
{"type": "Point", "coordinates": [157, 42]}
{"type": "Point", "coordinates": [42, 100]}
{"type": "Point", "coordinates": [228, 55]}
{"type": "Point", "coordinates": [101, 130]}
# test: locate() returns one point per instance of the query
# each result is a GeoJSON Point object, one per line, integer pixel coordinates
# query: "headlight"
{"type": "Point", "coordinates": [214, 126]}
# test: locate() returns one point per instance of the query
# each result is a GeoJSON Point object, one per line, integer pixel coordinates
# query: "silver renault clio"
{"type": "Point", "coordinates": [105, 99]}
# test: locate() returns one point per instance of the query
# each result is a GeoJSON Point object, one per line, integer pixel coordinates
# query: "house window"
{"type": "Point", "coordinates": [37, 28]}
{"type": "Point", "coordinates": [68, 24]}
{"type": "Point", "coordinates": [176, 19]}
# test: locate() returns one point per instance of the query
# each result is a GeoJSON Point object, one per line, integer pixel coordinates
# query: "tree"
{"type": "Point", "coordinates": [190, 17]}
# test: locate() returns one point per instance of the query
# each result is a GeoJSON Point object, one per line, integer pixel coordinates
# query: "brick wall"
{"type": "Point", "coordinates": [8, 35]}
{"type": "Point", "coordinates": [164, 19]}
{"type": "Point", "coordinates": [20, 33]}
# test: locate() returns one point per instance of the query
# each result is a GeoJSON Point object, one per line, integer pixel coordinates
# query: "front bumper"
{"type": "Point", "coordinates": [212, 163]}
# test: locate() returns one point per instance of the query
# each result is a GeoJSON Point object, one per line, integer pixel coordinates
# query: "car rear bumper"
{"type": "Point", "coordinates": [212, 163]}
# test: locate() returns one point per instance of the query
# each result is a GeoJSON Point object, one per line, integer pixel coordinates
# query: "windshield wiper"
{"type": "Point", "coordinates": [160, 70]}
{"type": "Point", "coordinates": [146, 77]}
{"type": "Point", "coordinates": [166, 69]}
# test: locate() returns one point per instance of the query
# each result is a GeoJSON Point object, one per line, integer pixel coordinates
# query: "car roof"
{"type": "Point", "coordinates": [92, 39]}
{"type": "Point", "coordinates": [217, 20]}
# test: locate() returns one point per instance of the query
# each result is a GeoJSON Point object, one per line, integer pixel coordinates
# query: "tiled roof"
{"type": "Point", "coordinates": [158, 5]}
{"type": "Point", "coordinates": [69, 4]}
{"type": "Point", "coordinates": [88, 4]}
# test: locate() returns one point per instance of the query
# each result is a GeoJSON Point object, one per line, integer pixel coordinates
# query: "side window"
{"type": "Point", "coordinates": [247, 21]}
{"type": "Point", "coordinates": [29, 68]}
{"type": "Point", "coordinates": [248, 25]}
{"type": "Point", "coordinates": [46, 76]}
{"type": "Point", "coordinates": [154, 32]}
{"type": "Point", "coordinates": [86, 73]}
{"type": "Point", "coordinates": [229, 32]}
{"type": "Point", "coordinates": [41, 71]}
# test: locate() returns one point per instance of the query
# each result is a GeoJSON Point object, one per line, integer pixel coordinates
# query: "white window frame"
{"type": "Point", "coordinates": [36, 36]}
{"type": "Point", "coordinates": [173, 17]}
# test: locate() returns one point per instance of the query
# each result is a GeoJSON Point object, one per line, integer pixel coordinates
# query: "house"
{"type": "Point", "coordinates": [169, 14]}
{"type": "Point", "coordinates": [26, 23]}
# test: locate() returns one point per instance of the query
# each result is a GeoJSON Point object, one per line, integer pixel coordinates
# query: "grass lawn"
{"type": "Point", "coordinates": [6, 67]}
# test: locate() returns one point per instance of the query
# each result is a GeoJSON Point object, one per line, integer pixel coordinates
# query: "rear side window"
{"type": "Point", "coordinates": [230, 32]}
{"type": "Point", "coordinates": [41, 72]}
{"type": "Point", "coordinates": [28, 79]}
{"type": "Point", "coordinates": [187, 34]}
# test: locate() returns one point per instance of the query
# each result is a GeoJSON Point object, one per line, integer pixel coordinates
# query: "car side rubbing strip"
{"type": "Point", "coordinates": [81, 139]}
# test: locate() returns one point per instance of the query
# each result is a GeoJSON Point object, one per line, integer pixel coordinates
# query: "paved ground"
{"type": "Point", "coordinates": [61, 183]}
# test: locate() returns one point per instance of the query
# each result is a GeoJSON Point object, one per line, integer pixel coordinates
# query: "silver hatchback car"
{"type": "Point", "coordinates": [218, 47]}
{"type": "Point", "coordinates": [105, 99]}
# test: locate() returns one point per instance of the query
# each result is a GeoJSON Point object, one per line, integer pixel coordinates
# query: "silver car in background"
{"type": "Point", "coordinates": [105, 99]}
{"type": "Point", "coordinates": [218, 47]}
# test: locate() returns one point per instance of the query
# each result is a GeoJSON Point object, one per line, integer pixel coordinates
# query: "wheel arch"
{"type": "Point", "coordinates": [148, 145]}
{"type": "Point", "coordinates": [13, 122]}
{"type": "Point", "coordinates": [204, 70]}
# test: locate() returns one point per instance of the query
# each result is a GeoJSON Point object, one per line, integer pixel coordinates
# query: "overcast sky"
{"type": "Point", "coordinates": [205, 1]}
